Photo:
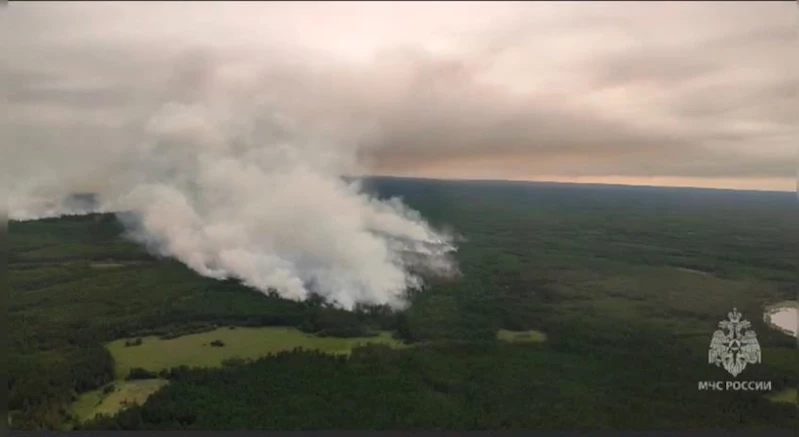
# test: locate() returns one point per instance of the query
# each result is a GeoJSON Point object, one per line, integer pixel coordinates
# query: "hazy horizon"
{"type": "Point", "coordinates": [674, 94]}
{"type": "Point", "coordinates": [607, 181]}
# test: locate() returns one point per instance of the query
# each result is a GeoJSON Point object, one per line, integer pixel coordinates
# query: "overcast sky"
{"type": "Point", "coordinates": [684, 93]}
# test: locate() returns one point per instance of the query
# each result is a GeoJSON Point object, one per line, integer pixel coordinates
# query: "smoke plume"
{"type": "Point", "coordinates": [223, 181]}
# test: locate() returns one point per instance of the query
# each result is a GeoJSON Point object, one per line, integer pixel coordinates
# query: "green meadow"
{"type": "Point", "coordinates": [787, 396]}
{"type": "Point", "coordinates": [521, 336]}
{"type": "Point", "coordinates": [124, 394]}
{"type": "Point", "coordinates": [195, 350]}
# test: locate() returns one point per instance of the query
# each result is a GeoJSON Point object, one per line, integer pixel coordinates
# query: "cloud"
{"type": "Point", "coordinates": [705, 90]}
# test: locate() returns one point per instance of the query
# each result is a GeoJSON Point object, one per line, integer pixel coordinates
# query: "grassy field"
{"type": "Point", "coordinates": [195, 350]}
{"type": "Point", "coordinates": [521, 336]}
{"type": "Point", "coordinates": [125, 393]}
{"type": "Point", "coordinates": [788, 396]}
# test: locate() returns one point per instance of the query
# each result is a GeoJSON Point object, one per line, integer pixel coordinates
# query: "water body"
{"type": "Point", "coordinates": [784, 317]}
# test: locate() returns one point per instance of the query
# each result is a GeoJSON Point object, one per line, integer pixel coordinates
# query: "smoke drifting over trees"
{"type": "Point", "coordinates": [233, 188]}
{"type": "Point", "coordinates": [227, 135]}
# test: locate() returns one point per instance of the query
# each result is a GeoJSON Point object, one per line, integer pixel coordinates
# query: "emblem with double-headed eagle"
{"type": "Point", "coordinates": [734, 345]}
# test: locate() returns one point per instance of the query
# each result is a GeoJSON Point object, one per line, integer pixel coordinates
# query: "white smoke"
{"type": "Point", "coordinates": [225, 183]}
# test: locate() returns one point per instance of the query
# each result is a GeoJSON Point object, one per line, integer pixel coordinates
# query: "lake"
{"type": "Point", "coordinates": [784, 317]}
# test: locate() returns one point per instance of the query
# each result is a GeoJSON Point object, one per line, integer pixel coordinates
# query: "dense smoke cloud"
{"type": "Point", "coordinates": [226, 177]}
{"type": "Point", "coordinates": [257, 201]}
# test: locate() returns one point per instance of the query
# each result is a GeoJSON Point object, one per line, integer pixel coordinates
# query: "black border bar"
{"type": "Point", "coordinates": [707, 433]}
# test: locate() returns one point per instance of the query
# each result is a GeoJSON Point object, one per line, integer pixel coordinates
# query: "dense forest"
{"type": "Point", "coordinates": [627, 283]}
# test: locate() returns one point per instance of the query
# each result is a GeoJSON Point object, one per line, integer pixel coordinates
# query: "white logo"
{"type": "Point", "coordinates": [734, 345]}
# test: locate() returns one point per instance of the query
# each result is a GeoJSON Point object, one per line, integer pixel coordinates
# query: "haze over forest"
{"type": "Point", "coordinates": [225, 128]}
